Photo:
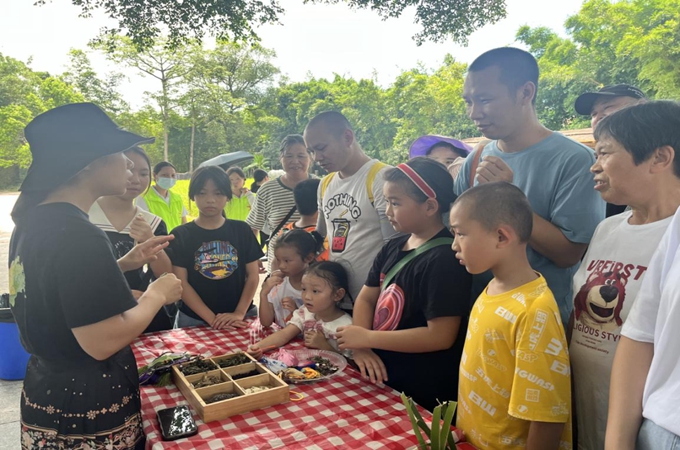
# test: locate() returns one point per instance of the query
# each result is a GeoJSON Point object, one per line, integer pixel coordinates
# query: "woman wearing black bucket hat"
{"type": "Point", "coordinates": [75, 312]}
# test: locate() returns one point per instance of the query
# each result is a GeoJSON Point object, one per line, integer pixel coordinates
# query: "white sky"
{"type": "Point", "coordinates": [313, 39]}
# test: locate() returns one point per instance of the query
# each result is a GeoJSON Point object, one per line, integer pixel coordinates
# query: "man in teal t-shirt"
{"type": "Point", "coordinates": [551, 169]}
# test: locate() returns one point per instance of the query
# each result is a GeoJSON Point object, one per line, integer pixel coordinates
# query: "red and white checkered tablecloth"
{"type": "Point", "coordinates": [345, 411]}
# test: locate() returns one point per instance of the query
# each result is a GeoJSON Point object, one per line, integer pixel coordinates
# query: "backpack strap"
{"type": "Point", "coordinates": [370, 178]}
{"type": "Point", "coordinates": [325, 182]}
{"type": "Point", "coordinates": [475, 163]}
{"type": "Point", "coordinates": [372, 173]}
{"type": "Point", "coordinates": [479, 149]}
{"type": "Point", "coordinates": [403, 262]}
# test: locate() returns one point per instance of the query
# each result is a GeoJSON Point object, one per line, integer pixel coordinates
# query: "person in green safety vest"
{"type": "Point", "coordinates": [159, 200]}
{"type": "Point", "coordinates": [242, 199]}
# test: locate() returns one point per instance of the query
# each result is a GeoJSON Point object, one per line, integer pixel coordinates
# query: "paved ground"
{"type": "Point", "coordinates": [6, 227]}
{"type": "Point", "coordinates": [10, 391]}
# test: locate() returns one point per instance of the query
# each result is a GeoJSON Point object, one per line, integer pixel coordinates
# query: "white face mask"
{"type": "Point", "coordinates": [166, 183]}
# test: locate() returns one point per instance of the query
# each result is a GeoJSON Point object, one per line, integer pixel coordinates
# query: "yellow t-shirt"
{"type": "Point", "coordinates": [514, 369]}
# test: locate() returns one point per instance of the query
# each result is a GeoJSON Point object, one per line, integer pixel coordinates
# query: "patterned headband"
{"type": "Point", "coordinates": [417, 180]}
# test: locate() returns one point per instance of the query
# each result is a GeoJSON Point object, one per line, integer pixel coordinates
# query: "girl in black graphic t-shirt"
{"type": "Point", "coordinates": [75, 312]}
{"type": "Point", "coordinates": [216, 258]}
{"type": "Point", "coordinates": [410, 317]}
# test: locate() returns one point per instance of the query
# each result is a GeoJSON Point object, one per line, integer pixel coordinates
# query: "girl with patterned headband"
{"type": "Point", "coordinates": [410, 318]}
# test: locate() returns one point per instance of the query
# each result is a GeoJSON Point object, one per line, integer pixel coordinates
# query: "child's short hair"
{"type": "Point", "coordinates": [236, 170]}
{"type": "Point", "coordinates": [260, 175]}
{"type": "Point", "coordinates": [162, 165]}
{"type": "Point", "coordinates": [331, 271]}
{"type": "Point", "coordinates": [493, 204]}
{"type": "Point", "coordinates": [214, 173]}
{"type": "Point", "coordinates": [305, 194]}
{"type": "Point", "coordinates": [433, 173]}
{"type": "Point", "coordinates": [304, 243]}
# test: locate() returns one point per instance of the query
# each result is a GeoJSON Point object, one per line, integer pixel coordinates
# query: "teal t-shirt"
{"type": "Point", "coordinates": [555, 176]}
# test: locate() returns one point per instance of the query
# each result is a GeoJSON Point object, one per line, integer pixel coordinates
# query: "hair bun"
{"type": "Point", "coordinates": [320, 240]}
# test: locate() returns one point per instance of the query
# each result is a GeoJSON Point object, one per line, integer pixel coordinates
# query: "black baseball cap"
{"type": "Point", "coordinates": [585, 102]}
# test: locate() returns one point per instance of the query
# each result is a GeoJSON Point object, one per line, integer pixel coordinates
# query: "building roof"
{"type": "Point", "coordinates": [582, 135]}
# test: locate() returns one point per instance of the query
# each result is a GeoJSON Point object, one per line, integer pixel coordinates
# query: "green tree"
{"type": "Point", "coordinates": [640, 37]}
{"type": "Point", "coordinates": [363, 102]}
{"type": "Point", "coordinates": [427, 103]}
{"type": "Point", "coordinates": [17, 81]}
{"type": "Point", "coordinates": [192, 104]}
{"type": "Point", "coordinates": [143, 20]}
{"type": "Point", "coordinates": [24, 94]}
{"type": "Point", "coordinates": [145, 122]}
{"type": "Point", "coordinates": [101, 91]}
{"type": "Point", "coordinates": [13, 146]}
{"type": "Point", "coordinates": [634, 41]}
{"type": "Point", "coordinates": [56, 92]}
{"type": "Point", "coordinates": [167, 66]}
{"type": "Point", "coordinates": [232, 79]}
{"type": "Point", "coordinates": [259, 162]}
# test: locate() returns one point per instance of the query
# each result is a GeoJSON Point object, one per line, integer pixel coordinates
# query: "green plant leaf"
{"type": "Point", "coordinates": [446, 434]}
{"type": "Point", "coordinates": [410, 407]}
{"type": "Point", "coordinates": [421, 422]}
{"type": "Point", "coordinates": [436, 422]}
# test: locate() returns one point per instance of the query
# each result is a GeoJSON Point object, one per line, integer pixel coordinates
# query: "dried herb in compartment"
{"type": "Point", "coordinates": [252, 373]}
{"type": "Point", "coordinates": [219, 397]}
{"type": "Point", "coordinates": [199, 366]}
{"type": "Point", "coordinates": [208, 380]}
{"type": "Point", "coordinates": [236, 360]}
{"type": "Point", "coordinates": [256, 389]}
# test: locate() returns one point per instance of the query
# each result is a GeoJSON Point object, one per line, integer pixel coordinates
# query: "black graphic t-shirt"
{"type": "Point", "coordinates": [432, 285]}
{"type": "Point", "coordinates": [215, 261]}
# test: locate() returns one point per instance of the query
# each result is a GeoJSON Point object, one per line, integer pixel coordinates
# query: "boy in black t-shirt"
{"type": "Point", "coordinates": [410, 317]}
{"type": "Point", "coordinates": [215, 258]}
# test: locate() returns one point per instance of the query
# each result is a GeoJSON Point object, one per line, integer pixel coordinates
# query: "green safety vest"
{"type": "Point", "coordinates": [237, 208]}
{"type": "Point", "coordinates": [171, 214]}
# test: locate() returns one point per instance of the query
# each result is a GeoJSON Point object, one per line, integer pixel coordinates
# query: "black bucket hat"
{"type": "Point", "coordinates": [585, 102]}
{"type": "Point", "coordinates": [66, 139]}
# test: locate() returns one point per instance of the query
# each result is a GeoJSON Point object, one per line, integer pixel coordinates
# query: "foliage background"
{"type": "Point", "coordinates": [232, 97]}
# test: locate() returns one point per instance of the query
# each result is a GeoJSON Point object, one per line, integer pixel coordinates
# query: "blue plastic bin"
{"type": "Point", "coordinates": [13, 357]}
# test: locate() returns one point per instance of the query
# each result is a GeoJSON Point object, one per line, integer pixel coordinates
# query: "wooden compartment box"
{"type": "Point", "coordinates": [234, 379]}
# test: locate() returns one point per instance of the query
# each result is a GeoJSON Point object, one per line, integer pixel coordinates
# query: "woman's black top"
{"type": "Point", "coordinates": [63, 275]}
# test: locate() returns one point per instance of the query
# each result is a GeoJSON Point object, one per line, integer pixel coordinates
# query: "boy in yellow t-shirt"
{"type": "Point", "coordinates": [514, 389]}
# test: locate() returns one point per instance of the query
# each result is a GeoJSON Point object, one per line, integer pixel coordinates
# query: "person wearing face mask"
{"type": "Point", "coordinates": [159, 200]}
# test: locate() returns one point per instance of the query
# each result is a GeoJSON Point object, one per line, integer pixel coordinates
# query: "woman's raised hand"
{"type": "Point", "coordinates": [144, 253]}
